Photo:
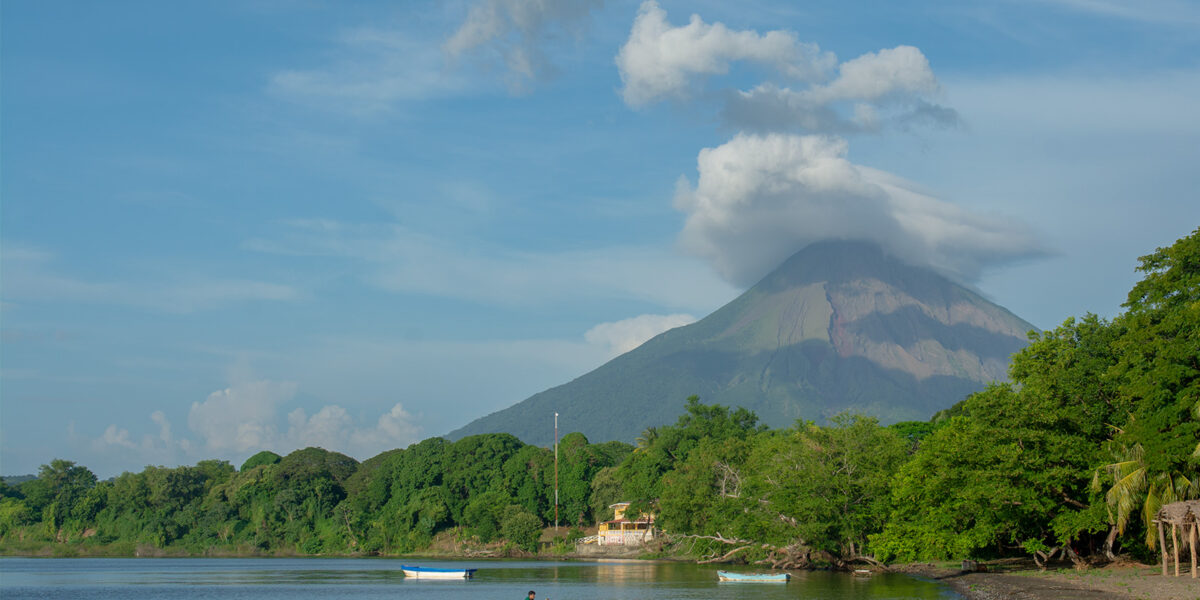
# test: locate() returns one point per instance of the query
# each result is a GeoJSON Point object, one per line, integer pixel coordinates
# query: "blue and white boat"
{"type": "Point", "coordinates": [431, 573]}
{"type": "Point", "coordinates": [753, 577]}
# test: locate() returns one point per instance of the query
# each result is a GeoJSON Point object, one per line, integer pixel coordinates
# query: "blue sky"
{"type": "Point", "coordinates": [234, 226]}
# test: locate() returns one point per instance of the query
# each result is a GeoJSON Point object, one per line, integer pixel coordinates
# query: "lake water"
{"type": "Point", "coordinates": [369, 579]}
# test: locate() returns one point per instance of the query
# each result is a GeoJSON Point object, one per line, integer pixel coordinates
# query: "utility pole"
{"type": "Point", "coordinates": [556, 472]}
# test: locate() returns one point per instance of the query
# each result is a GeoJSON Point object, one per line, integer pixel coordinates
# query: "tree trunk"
{"type": "Point", "coordinates": [1175, 547]}
{"type": "Point", "coordinates": [1041, 558]}
{"type": "Point", "coordinates": [1162, 545]}
{"type": "Point", "coordinates": [1076, 560]}
{"type": "Point", "coordinates": [353, 538]}
{"type": "Point", "coordinates": [1108, 543]}
{"type": "Point", "coordinates": [869, 560]}
{"type": "Point", "coordinates": [1193, 545]}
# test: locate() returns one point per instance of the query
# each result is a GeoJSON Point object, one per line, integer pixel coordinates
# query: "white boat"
{"type": "Point", "coordinates": [753, 577]}
{"type": "Point", "coordinates": [431, 573]}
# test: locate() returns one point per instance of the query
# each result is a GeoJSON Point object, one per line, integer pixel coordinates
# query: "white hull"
{"type": "Point", "coordinates": [436, 574]}
{"type": "Point", "coordinates": [753, 577]}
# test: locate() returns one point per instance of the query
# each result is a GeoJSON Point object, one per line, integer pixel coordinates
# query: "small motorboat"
{"type": "Point", "coordinates": [753, 577]}
{"type": "Point", "coordinates": [431, 573]}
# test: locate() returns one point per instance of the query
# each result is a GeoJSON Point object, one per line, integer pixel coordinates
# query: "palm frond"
{"type": "Point", "coordinates": [1153, 503]}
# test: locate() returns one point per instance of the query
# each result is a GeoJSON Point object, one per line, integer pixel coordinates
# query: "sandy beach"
{"type": "Point", "coordinates": [1118, 582]}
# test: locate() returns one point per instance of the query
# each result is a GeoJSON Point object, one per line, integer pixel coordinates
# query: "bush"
{"type": "Point", "coordinates": [521, 527]}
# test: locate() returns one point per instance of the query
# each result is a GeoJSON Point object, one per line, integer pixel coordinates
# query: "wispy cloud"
{"type": "Point", "coordinates": [1139, 103]}
{"type": "Point", "coordinates": [29, 276]}
{"type": "Point", "coordinates": [1163, 12]}
{"type": "Point", "coordinates": [405, 261]}
{"type": "Point", "coordinates": [515, 34]}
{"type": "Point", "coordinates": [372, 70]}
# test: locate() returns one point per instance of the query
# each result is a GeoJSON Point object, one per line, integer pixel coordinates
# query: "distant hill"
{"type": "Point", "coordinates": [839, 326]}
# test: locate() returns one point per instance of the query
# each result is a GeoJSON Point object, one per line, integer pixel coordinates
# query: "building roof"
{"type": "Point", "coordinates": [643, 520]}
{"type": "Point", "coordinates": [1178, 513]}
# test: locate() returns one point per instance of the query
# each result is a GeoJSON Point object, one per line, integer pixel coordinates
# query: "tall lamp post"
{"type": "Point", "coordinates": [556, 472]}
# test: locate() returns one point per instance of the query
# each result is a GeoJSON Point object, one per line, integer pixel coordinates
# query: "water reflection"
{"type": "Point", "coordinates": [367, 579]}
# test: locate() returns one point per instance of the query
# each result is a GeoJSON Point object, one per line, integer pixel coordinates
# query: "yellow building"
{"type": "Point", "coordinates": [623, 531]}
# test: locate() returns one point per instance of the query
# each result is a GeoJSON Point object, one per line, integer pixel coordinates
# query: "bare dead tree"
{"type": "Point", "coordinates": [731, 480]}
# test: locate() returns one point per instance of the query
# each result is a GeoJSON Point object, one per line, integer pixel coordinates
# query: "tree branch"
{"type": "Point", "coordinates": [1072, 501]}
{"type": "Point", "coordinates": [718, 538]}
{"type": "Point", "coordinates": [725, 556]}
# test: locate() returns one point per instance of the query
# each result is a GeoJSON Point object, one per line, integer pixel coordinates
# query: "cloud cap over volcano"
{"type": "Point", "coordinates": [760, 198]}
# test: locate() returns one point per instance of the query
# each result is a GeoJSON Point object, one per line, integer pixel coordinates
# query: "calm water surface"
{"type": "Point", "coordinates": [369, 579]}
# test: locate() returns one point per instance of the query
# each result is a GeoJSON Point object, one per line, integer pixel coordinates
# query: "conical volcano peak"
{"type": "Point", "coordinates": [839, 326]}
{"type": "Point", "coordinates": [840, 261]}
{"type": "Point", "coordinates": [831, 260]}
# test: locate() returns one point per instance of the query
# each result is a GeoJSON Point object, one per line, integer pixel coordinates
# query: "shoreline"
{"type": "Point", "coordinates": [1000, 581]}
{"type": "Point", "coordinates": [1123, 581]}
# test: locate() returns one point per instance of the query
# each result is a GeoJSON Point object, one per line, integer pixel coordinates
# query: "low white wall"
{"type": "Point", "coordinates": [624, 538]}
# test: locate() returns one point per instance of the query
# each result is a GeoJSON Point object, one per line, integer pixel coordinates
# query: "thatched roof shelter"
{"type": "Point", "coordinates": [1179, 515]}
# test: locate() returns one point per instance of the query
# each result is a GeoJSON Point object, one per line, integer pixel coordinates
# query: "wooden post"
{"type": "Point", "coordinates": [1194, 525]}
{"type": "Point", "coordinates": [1162, 545]}
{"type": "Point", "coordinates": [1175, 547]}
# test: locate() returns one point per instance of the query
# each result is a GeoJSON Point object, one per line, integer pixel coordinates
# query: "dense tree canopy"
{"type": "Point", "coordinates": [314, 501]}
{"type": "Point", "coordinates": [1156, 450]}
{"type": "Point", "coordinates": [1098, 426]}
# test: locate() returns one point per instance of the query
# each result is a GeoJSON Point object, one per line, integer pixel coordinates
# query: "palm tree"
{"type": "Point", "coordinates": [1135, 485]}
{"type": "Point", "coordinates": [650, 435]}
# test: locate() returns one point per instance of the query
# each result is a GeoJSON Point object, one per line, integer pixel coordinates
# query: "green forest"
{"type": "Point", "coordinates": [1097, 427]}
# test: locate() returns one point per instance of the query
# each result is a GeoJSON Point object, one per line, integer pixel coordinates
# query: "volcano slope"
{"type": "Point", "coordinates": [839, 326]}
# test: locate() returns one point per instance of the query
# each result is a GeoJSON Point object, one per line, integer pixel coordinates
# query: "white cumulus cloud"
{"type": "Point", "coordinates": [397, 424]}
{"type": "Point", "coordinates": [116, 436]}
{"type": "Point", "coordinates": [240, 417]}
{"type": "Point", "coordinates": [329, 427]}
{"type": "Point", "coordinates": [875, 75]}
{"type": "Point", "coordinates": [245, 418]}
{"type": "Point", "coordinates": [760, 198]}
{"type": "Point", "coordinates": [892, 87]}
{"type": "Point", "coordinates": [164, 426]}
{"type": "Point", "coordinates": [659, 61]}
{"type": "Point", "coordinates": [622, 336]}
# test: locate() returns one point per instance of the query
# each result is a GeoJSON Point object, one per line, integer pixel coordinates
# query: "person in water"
{"type": "Point", "coordinates": [531, 595]}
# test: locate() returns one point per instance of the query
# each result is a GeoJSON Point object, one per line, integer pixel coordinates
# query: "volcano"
{"type": "Point", "coordinates": [839, 326]}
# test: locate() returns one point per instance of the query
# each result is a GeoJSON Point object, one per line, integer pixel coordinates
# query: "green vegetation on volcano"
{"type": "Point", "coordinates": [840, 326]}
